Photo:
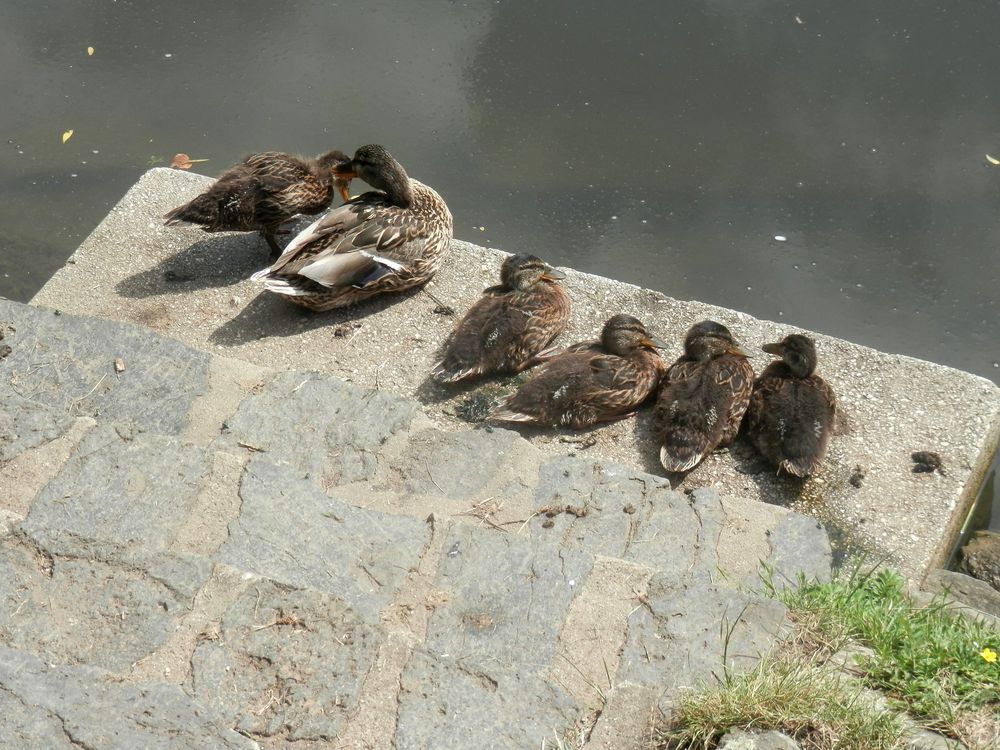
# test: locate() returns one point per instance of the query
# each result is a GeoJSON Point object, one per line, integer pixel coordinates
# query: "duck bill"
{"type": "Point", "coordinates": [774, 349]}
{"type": "Point", "coordinates": [653, 343]}
{"type": "Point", "coordinates": [737, 350]}
{"type": "Point", "coordinates": [552, 274]}
{"type": "Point", "coordinates": [343, 188]}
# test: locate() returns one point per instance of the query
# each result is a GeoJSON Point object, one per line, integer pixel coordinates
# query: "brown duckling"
{"type": "Point", "coordinates": [386, 240]}
{"type": "Point", "coordinates": [511, 323]}
{"type": "Point", "coordinates": [702, 397]}
{"type": "Point", "coordinates": [264, 191]}
{"type": "Point", "coordinates": [792, 409]}
{"type": "Point", "coordinates": [593, 381]}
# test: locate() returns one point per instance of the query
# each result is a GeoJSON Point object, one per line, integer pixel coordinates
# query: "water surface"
{"type": "Point", "coordinates": [665, 144]}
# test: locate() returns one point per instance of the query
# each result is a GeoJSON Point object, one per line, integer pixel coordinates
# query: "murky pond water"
{"type": "Point", "coordinates": [666, 144]}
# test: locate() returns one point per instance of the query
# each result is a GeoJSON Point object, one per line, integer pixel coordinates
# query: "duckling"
{"type": "Point", "coordinates": [511, 323]}
{"type": "Point", "coordinates": [386, 240]}
{"type": "Point", "coordinates": [792, 409]}
{"type": "Point", "coordinates": [702, 397]}
{"type": "Point", "coordinates": [262, 192]}
{"type": "Point", "coordinates": [593, 381]}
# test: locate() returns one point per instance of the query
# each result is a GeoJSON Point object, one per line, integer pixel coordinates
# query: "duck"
{"type": "Point", "coordinates": [792, 409]}
{"type": "Point", "coordinates": [389, 239]}
{"type": "Point", "coordinates": [703, 397]}
{"type": "Point", "coordinates": [592, 381]}
{"type": "Point", "coordinates": [264, 191]}
{"type": "Point", "coordinates": [510, 325]}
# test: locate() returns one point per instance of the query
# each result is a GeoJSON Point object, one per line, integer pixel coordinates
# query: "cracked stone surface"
{"type": "Point", "coordinates": [507, 599]}
{"type": "Point", "coordinates": [289, 530]}
{"type": "Point", "coordinates": [261, 558]}
{"type": "Point", "coordinates": [285, 662]}
{"type": "Point", "coordinates": [445, 703]}
{"type": "Point", "coordinates": [81, 707]}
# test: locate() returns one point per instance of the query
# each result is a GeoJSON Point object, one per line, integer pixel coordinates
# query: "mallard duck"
{"type": "Point", "coordinates": [510, 324]}
{"type": "Point", "coordinates": [593, 381]}
{"type": "Point", "coordinates": [702, 397]}
{"type": "Point", "coordinates": [792, 409]}
{"type": "Point", "coordinates": [386, 240]}
{"type": "Point", "coordinates": [264, 191]}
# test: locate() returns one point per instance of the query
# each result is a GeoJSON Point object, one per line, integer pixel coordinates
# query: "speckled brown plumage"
{"type": "Point", "coordinates": [262, 192]}
{"type": "Point", "coordinates": [792, 409]}
{"type": "Point", "coordinates": [386, 240]}
{"type": "Point", "coordinates": [702, 398]}
{"type": "Point", "coordinates": [509, 325]}
{"type": "Point", "coordinates": [594, 381]}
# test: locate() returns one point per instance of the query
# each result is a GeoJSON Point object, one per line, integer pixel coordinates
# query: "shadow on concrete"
{"type": "Point", "coordinates": [270, 314]}
{"type": "Point", "coordinates": [218, 260]}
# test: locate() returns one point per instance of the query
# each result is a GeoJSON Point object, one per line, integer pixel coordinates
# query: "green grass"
{"type": "Point", "coordinates": [927, 659]}
{"type": "Point", "coordinates": [930, 662]}
{"type": "Point", "coordinates": [813, 703]}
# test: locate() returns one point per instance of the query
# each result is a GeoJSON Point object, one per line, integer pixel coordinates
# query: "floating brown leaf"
{"type": "Point", "coordinates": [183, 161]}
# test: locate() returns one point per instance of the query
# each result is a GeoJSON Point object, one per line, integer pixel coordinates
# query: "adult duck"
{"type": "Point", "coordinates": [264, 191]}
{"type": "Point", "coordinates": [792, 409]}
{"type": "Point", "coordinates": [703, 397]}
{"type": "Point", "coordinates": [593, 381]}
{"type": "Point", "coordinates": [386, 240]}
{"type": "Point", "coordinates": [510, 324]}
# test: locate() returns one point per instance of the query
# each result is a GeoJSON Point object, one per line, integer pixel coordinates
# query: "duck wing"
{"type": "Point", "coordinates": [356, 244]}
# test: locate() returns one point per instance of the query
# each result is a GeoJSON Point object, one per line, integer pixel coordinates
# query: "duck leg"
{"type": "Point", "coordinates": [272, 243]}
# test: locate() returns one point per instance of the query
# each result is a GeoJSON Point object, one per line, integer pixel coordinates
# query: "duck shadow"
{"type": "Point", "coordinates": [218, 260]}
{"type": "Point", "coordinates": [269, 315]}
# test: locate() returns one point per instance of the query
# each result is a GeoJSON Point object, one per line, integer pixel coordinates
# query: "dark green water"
{"type": "Point", "coordinates": [665, 144]}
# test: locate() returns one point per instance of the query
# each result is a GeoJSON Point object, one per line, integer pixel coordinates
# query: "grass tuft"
{"type": "Point", "coordinates": [812, 703]}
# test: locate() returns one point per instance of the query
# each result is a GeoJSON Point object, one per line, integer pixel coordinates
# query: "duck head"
{"type": "Point", "coordinates": [331, 160]}
{"type": "Point", "coordinates": [375, 165]}
{"type": "Point", "coordinates": [624, 334]}
{"type": "Point", "coordinates": [797, 351]}
{"type": "Point", "coordinates": [522, 272]}
{"type": "Point", "coordinates": [709, 339]}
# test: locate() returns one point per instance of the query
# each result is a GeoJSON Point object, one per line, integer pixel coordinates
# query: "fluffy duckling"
{"type": "Point", "coordinates": [386, 240]}
{"type": "Point", "coordinates": [262, 192]}
{"type": "Point", "coordinates": [703, 397]}
{"type": "Point", "coordinates": [792, 409]}
{"type": "Point", "coordinates": [593, 381]}
{"type": "Point", "coordinates": [511, 323]}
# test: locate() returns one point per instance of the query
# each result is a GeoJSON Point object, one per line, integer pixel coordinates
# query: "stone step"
{"type": "Point", "coordinates": [310, 560]}
{"type": "Point", "coordinates": [195, 287]}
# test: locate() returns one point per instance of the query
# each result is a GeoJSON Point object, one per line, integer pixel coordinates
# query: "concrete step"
{"type": "Point", "coordinates": [194, 287]}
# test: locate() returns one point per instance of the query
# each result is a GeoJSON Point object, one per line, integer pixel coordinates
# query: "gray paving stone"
{"type": "Point", "coordinates": [124, 493]}
{"type": "Point", "coordinates": [799, 544]}
{"type": "Point", "coordinates": [82, 610]}
{"type": "Point", "coordinates": [737, 739]}
{"type": "Point", "coordinates": [453, 464]}
{"type": "Point", "coordinates": [507, 599]}
{"type": "Point", "coordinates": [687, 634]}
{"type": "Point", "coordinates": [291, 531]}
{"type": "Point", "coordinates": [285, 662]}
{"type": "Point", "coordinates": [81, 707]}
{"type": "Point", "coordinates": [321, 425]}
{"type": "Point", "coordinates": [67, 363]}
{"type": "Point", "coordinates": [615, 511]}
{"type": "Point", "coordinates": [445, 703]}
{"type": "Point", "coordinates": [26, 424]}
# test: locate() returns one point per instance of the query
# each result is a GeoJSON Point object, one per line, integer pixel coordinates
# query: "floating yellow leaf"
{"type": "Point", "coordinates": [90, 51]}
{"type": "Point", "coordinates": [183, 161]}
{"type": "Point", "coordinates": [992, 161]}
{"type": "Point", "coordinates": [67, 135]}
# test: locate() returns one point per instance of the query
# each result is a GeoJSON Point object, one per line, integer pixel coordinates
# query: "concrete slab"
{"type": "Point", "coordinates": [194, 287]}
